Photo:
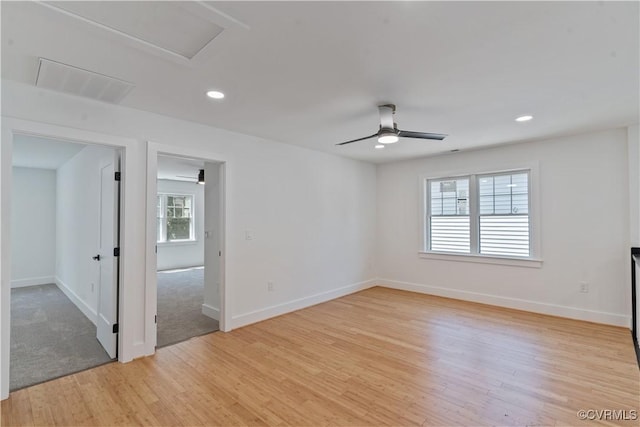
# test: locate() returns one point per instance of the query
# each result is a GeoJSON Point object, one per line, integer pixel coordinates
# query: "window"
{"type": "Point", "coordinates": [504, 214]}
{"type": "Point", "coordinates": [175, 218]}
{"type": "Point", "coordinates": [450, 220]}
{"type": "Point", "coordinates": [484, 214]}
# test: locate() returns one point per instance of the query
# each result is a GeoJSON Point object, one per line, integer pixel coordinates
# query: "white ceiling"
{"type": "Point", "coordinates": [42, 153]}
{"type": "Point", "coordinates": [312, 73]}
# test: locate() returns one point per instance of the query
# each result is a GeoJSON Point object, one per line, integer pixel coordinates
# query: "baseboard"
{"type": "Point", "coordinates": [211, 312]}
{"type": "Point", "coordinates": [297, 304]}
{"type": "Point", "coordinates": [515, 303]}
{"type": "Point", "coordinates": [82, 306]}
{"type": "Point", "coordinates": [32, 281]}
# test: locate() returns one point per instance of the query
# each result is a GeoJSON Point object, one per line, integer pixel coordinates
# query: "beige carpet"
{"type": "Point", "coordinates": [180, 298]}
{"type": "Point", "coordinates": [50, 337]}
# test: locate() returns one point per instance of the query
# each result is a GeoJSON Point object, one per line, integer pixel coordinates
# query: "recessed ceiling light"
{"type": "Point", "coordinates": [524, 118]}
{"type": "Point", "coordinates": [215, 94]}
{"type": "Point", "coordinates": [379, 146]}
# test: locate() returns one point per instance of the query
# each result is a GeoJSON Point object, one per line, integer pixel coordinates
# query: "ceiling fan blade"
{"type": "Point", "coordinates": [359, 139]}
{"type": "Point", "coordinates": [421, 135]}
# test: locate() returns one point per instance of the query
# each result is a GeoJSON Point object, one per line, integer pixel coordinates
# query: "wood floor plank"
{"type": "Point", "coordinates": [377, 357]}
{"type": "Point", "coordinates": [19, 411]}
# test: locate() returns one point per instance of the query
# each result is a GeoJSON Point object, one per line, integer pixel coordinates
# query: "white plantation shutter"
{"type": "Point", "coordinates": [450, 234]}
{"type": "Point", "coordinates": [504, 235]}
{"type": "Point", "coordinates": [449, 220]}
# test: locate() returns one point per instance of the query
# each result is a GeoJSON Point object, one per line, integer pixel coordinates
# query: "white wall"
{"type": "Point", "coordinates": [633, 136]}
{"type": "Point", "coordinates": [313, 214]}
{"type": "Point", "coordinates": [584, 214]}
{"type": "Point", "coordinates": [33, 227]}
{"type": "Point", "coordinates": [78, 226]}
{"type": "Point", "coordinates": [184, 254]}
{"type": "Point", "coordinates": [5, 256]}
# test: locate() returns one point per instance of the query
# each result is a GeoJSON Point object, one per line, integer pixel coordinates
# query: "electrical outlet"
{"type": "Point", "coordinates": [270, 286]}
{"type": "Point", "coordinates": [584, 287]}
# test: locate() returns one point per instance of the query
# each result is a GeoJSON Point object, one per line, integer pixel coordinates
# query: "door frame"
{"type": "Point", "coordinates": [127, 147]}
{"type": "Point", "coordinates": [153, 150]}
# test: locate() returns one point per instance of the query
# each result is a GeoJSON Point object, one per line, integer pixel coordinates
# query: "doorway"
{"type": "Point", "coordinates": [64, 275]}
{"type": "Point", "coordinates": [167, 264]}
{"type": "Point", "coordinates": [183, 309]}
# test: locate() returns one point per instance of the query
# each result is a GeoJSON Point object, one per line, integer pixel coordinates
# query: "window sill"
{"type": "Point", "coordinates": [177, 243]}
{"type": "Point", "coordinates": [482, 259]}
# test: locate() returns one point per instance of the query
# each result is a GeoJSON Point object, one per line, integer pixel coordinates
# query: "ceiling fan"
{"type": "Point", "coordinates": [389, 132]}
{"type": "Point", "coordinates": [197, 179]}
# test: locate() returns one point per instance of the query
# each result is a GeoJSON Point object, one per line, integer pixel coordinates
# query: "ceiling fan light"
{"type": "Point", "coordinates": [388, 138]}
{"type": "Point", "coordinates": [215, 94]}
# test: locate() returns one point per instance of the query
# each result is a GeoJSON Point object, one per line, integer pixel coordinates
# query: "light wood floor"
{"type": "Point", "coordinates": [378, 357]}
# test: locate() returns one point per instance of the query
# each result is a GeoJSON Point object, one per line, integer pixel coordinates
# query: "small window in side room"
{"type": "Point", "coordinates": [175, 218]}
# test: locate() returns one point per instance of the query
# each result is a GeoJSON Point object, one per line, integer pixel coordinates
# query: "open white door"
{"type": "Point", "coordinates": [213, 240]}
{"type": "Point", "coordinates": [107, 242]}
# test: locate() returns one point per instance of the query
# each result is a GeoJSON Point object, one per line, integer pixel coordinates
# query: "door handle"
{"type": "Point", "coordinates": [97, 257]}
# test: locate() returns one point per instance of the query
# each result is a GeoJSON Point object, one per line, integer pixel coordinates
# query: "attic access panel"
{"type": "Point", "coordinates": [167, 25]}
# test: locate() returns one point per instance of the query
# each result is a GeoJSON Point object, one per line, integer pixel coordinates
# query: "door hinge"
{"type": "Point", "coordinates": [219, 253]}
{"type": "Point", "coordinates": [118, 176]}
{"type": "Point", "coordinates": [116, 251]}
{"type": "Point", "coordinates": [155, 318]}
{"type": "Point", "coordinates": [115, 328]}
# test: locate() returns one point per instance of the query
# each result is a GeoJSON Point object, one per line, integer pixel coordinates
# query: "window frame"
{"type": "Point", "coordinates": [535, 257]}
{"type": "Point", "coordinates": [192, 229]}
